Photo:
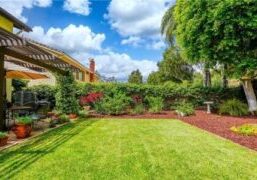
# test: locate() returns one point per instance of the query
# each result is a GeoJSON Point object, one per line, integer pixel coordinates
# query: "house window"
{"type": "Point", "coordinates": [80, 76]}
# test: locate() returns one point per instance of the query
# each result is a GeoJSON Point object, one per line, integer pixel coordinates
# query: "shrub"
{"type": "Point", "coordinates": [3, 135]}
{"type": "Point", "coordinates": [170, 92]}
{"type": "Point", "coordinates": [233, 107]}
{"type": "Point", "coordinates": [66, 101]}
{"type": "Point", "coordinates": [138, 109]}
{"type": "Point", "coordinates": [185, 109]}
{"type": "Point", "coordinates": [64, 118]}
{"type": "Point", "coordinates": [90, 99]}
{"type": "Point", "coordinates": [246, 129]}
{"type": "Point", "coordinates": [26, 120]}
{"type": "Point", "coordinates": [83, 113]}
{"type": "Point", "coordinates": [113, 105]}
{"type": "Point", "coordinates": [155, 104]}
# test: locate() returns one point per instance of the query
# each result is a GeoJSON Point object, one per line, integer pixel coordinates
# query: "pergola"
{"type": "Point", "coordinates": [22, 52]}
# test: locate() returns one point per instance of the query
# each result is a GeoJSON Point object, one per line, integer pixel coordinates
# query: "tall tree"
{"type": "Point", "coordinates": [223, 32]}
{"type": "Point", "coordinates": [135, 77]}
{"type": "Point", "coordinates": [154, 78]}
{"type": "Point", "coordinates": [168, 26]}
{"type": "Point", "coordinates": [172, 68]}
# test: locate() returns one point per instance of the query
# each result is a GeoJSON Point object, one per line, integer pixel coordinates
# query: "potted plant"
{"type": "Point", "coordinates": [3, 139]}
{"type": "Point", "coordinates": [64, 118]}
{"type": "Point", "coordinates": [22, 127]}
{"type": "Point", "coordinates": [73, 116]}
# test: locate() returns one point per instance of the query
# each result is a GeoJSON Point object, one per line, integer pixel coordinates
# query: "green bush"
{"type": "Point", "coordinates": [233, 107]}
{"type": "Point", "coordinates": [185, 109]}
{"type": "Point", "coordinates": [3, 135]}
{"type": "Point", "coordinates": [114, 104]}
{"type": "Point", "coordinates": [155, 104]}
{"type": "Point", "coordinates": [83, 113]}
{"type": "Point", "coordinates": [64, 118]}
{"type": "Point", "coordinates": [26, 120]}
{"type": "Point", "coordinates": [246, 129]}
{"type": "Point", "coordinates": [138, 109]}
{"type": "Point", "coordinates": [66, 101]}
{"type": "Point", "coordinates": [170, 92]}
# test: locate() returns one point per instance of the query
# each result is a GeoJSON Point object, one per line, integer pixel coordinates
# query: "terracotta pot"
{"type": "Point", "coordinates": [73, 116]}
{"type": "Point", "coordinates": [55, 117]}
{"type": "Point", "coordinates": [3, 141]}
{"type": "Point", "coordinates": [50, 114]}
{"type": "Point", "coordinates": [22, 131]}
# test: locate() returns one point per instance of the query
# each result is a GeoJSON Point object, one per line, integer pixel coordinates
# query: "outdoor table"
{"type": "Point", "coordinates": [208, 103]}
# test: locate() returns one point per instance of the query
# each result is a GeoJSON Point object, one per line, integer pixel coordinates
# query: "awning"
{"type": "Point", "coordinates": [17, 49]}
{"type": "Point", "coordinates": [14, 71]}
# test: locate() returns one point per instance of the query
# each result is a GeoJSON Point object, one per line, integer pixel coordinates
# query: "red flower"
{"type": "Point", "coordinates": [90, 98]}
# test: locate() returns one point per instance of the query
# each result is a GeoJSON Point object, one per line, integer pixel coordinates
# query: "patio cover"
{"type": "Point", "coordinates": [20, 51]}
{"type": "Point", "coordinates": [14, 71]}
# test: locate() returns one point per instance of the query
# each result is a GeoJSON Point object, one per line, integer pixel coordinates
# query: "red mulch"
{"type": "Point", "coordinates": [214, 123]}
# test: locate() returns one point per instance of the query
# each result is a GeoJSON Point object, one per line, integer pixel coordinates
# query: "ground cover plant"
{"type": "Point", "coordinates": [138, 109]}
{"type": "Point", "coordinates": [127, 149]}
{"type": "Point", "coordinates": [185, 109]}
{"type": "Point", "coordinates": [246, 129]}
{"type": "Point", "coordinates": [3, 135]}
{"type": "Point", "coordinates": [155, 104]}
{"type": "Point", "coordinates": [233, 107]}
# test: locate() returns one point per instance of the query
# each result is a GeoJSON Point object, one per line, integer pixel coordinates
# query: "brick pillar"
{"type": "Point", "coordinates": [92, 69]}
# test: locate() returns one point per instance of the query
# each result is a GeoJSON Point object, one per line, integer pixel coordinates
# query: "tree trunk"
{"type": "Point", "coordinates": [224, 77]}
{"type": "Point", "coordinates": [207, 78]}
{"type": "Point", "coordinates": [250, 95]}
{"type": "Point", "coordinates": [2, 79]}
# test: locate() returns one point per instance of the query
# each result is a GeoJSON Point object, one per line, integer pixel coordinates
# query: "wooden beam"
{"type": "Point", "coordinates": [25, 58]}
{"type": "Point", "coordinates": [2, 79]}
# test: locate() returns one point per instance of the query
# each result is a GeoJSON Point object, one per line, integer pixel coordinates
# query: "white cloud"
{"type": "Point", "coordinates": [138, 18]}
{"type": "Point", "coordinates": [16, 7]}
{"type": "Point", "coordinates": [81, 43]}
{"type": "Point", "coordinates": [71, 39]}
{"type": "Point", "coordinates": [77, 6]}
{"type": "Point", "coordinates": [132, 40]}
{"type": "Point", "coordinates": [118, 65]}
{"type": "Point", "coordinates": [157, 45]}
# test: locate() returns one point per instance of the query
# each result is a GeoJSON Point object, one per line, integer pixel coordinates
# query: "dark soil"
{"type": "Point", "coordinates": [213, 123]}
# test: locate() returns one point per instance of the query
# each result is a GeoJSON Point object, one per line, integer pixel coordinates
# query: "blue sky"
{"type": "Point", "coordinates": [122, 35]}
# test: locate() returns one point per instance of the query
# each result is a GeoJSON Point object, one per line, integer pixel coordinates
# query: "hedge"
{"type": "Point", "coordinates": [171, 93]}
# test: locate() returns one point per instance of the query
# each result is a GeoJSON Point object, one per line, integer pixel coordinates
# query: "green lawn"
{"type": "Point", "coordinates": [128, 149]}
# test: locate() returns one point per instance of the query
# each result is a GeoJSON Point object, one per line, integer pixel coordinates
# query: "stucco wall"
{"type": "Point", "coordinates": [6, 24]}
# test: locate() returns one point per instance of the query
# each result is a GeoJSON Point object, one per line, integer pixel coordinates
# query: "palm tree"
{"type": "Point", "coordinates": [168, 26]}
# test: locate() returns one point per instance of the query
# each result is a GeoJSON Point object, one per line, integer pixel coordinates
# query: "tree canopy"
{"type": "Point", "coordinates": [135, 77]}
{"type": "Point", "coordinates": [172, 68]}
{"type": "Point", "coordinates": [219, 31]}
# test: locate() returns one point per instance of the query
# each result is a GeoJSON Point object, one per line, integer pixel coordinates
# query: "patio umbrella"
{"type": "Point", "coordinates": [14, 71]}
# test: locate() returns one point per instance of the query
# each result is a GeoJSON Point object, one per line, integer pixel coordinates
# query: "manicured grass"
{"type": "Point", "coordinates": [128, 149]}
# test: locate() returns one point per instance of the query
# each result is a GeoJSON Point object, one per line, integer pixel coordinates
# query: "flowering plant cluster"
{"type": "Point", "coordinates": [90, 98]}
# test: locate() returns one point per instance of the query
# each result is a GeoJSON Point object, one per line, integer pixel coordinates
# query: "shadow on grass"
{"type": "Point", "coordinates": [17, 158]}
